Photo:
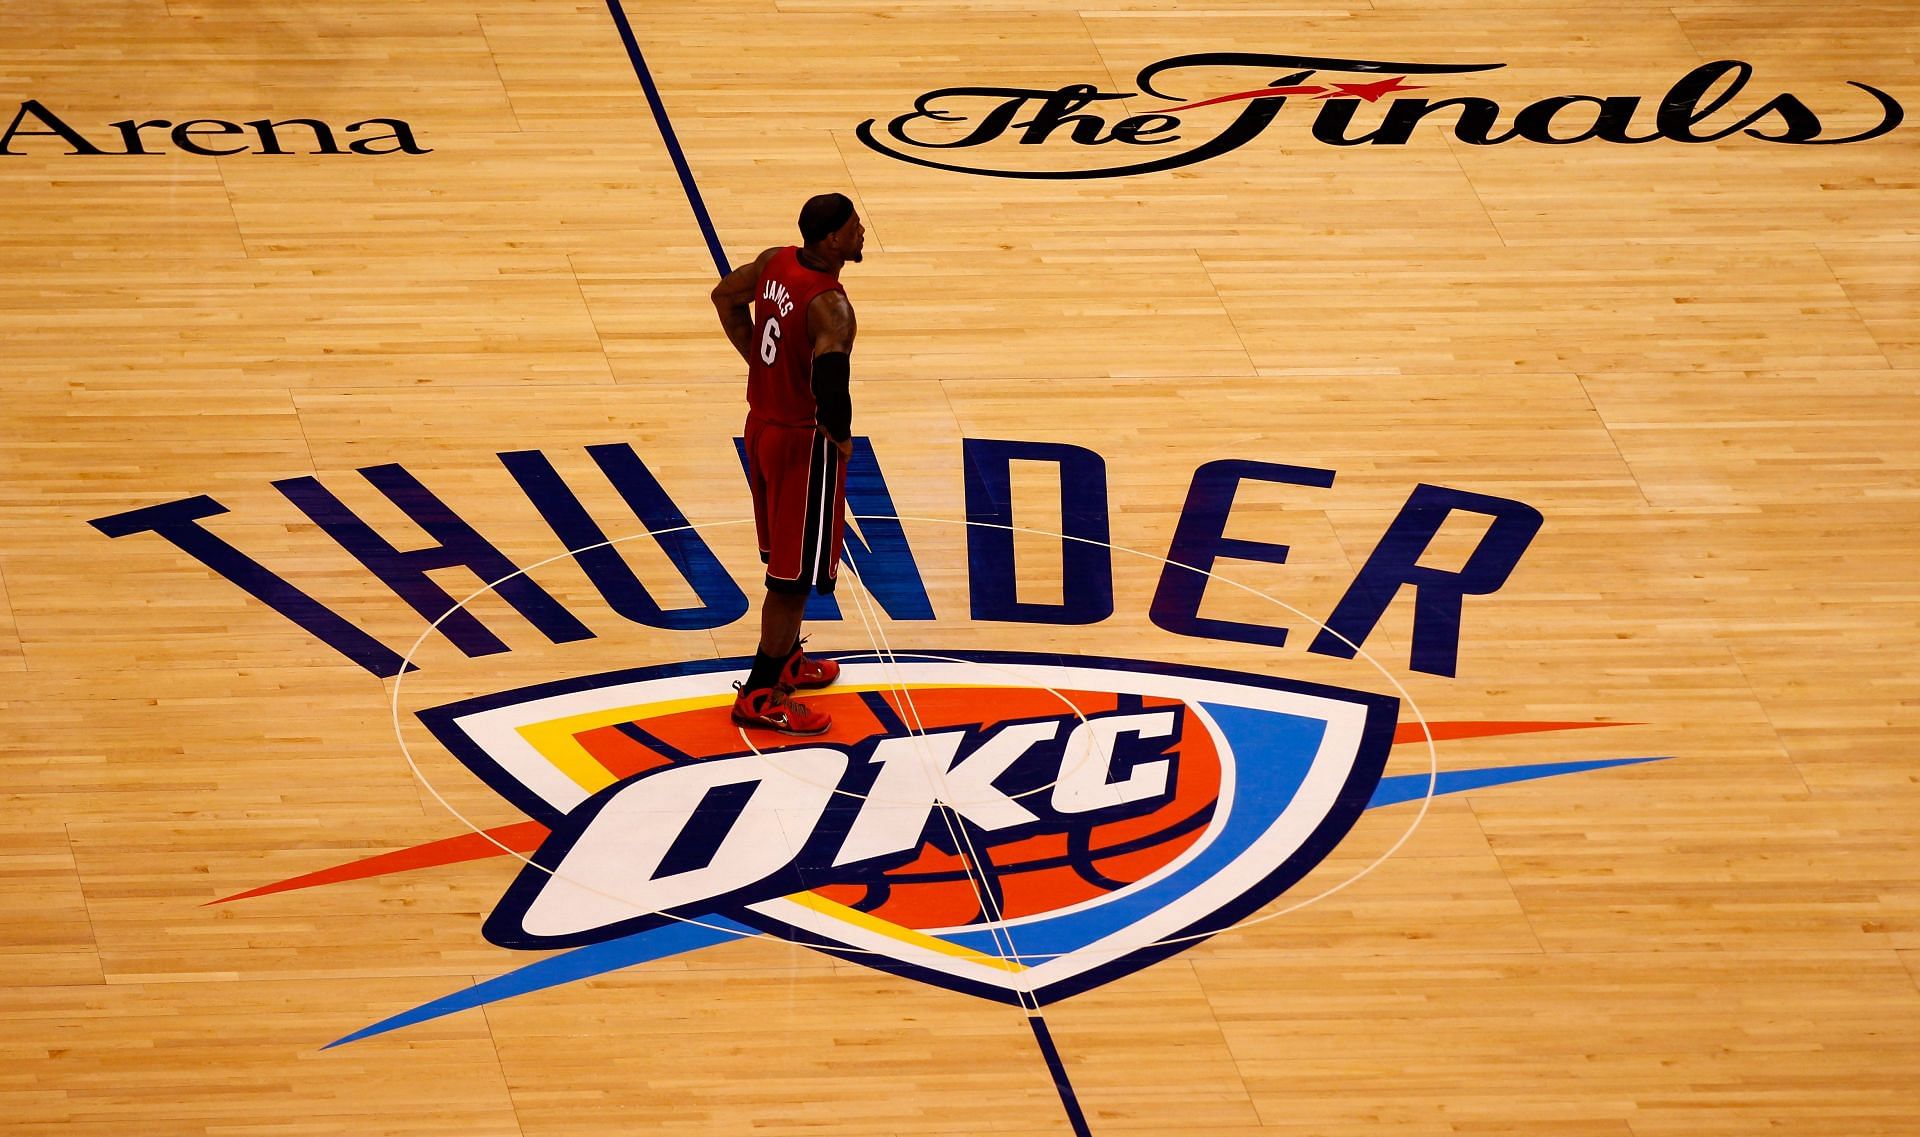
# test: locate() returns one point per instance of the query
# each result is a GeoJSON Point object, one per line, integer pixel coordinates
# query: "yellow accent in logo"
{"type": "Point", "coordinates": [894, 931]}
{"type": "Point", "coordinates": [558, 739]}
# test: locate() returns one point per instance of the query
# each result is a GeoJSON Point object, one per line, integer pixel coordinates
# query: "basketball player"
{"type": "Point", "coordinates": [796, 342]}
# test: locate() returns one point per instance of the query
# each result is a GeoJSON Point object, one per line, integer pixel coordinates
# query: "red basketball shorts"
{"type": "Point", "coordinates": [799, 486]}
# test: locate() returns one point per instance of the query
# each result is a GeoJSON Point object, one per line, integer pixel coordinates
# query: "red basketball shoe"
{"type": "Point", "coordinates": [773, 708]}
{"type": "Point", "coordinates": [808, 674]}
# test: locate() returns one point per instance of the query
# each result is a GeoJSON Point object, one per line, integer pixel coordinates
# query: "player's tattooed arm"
{"type": "Point", "coordinates": [831, 324]}
{"type": "Point", "coordinates": [733, 299]}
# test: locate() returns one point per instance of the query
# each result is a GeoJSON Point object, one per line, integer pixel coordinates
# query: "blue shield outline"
{"type": "Point", "coordinates": [1361, 778]}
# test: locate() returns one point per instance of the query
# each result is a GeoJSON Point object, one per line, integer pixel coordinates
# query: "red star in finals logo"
{"type": "Point", "coordinates": [1372, 92]}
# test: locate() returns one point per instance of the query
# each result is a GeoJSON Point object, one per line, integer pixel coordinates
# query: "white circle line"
{"type": "Point", "coordinates": [420, 776]}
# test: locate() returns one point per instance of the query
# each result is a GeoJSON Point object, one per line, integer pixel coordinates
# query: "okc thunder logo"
{"type": "Point", "coordinates": [1020, 827]}
{"type": "Point", "coordinates": [1008, 825]}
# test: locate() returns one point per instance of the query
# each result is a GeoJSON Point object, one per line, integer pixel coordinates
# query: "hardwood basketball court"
{"type": "Point", "coordinates": [357, 280]}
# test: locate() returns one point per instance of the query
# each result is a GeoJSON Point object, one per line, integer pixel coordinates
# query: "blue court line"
{"type": "Point", "coordinates": [666, 135]}
{"type": "Point", "coordinates": [677, 938]}
{"type": "Point", "coordinates": [579, 964]}
{"type": "Point", "coordinates": [1058, 1069]}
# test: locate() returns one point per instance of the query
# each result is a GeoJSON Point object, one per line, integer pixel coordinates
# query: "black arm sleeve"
{"type": "Point", "coordinates": [832, 405]}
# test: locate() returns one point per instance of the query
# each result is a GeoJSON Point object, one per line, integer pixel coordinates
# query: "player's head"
{"type": "Point", "coordinates": [829, 225]}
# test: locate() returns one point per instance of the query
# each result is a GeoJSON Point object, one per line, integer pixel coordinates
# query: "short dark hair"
{"type": "Point", "coordinates": [823, 215]}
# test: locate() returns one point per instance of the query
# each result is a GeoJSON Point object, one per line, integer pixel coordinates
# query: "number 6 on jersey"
{"type": "Point", "coordinates": [770, 340]}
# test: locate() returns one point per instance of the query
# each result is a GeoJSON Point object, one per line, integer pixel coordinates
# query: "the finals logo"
{"type": "Point", "coordinates": [1082, 131]}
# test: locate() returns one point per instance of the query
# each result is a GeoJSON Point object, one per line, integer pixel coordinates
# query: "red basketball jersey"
{"type": "Point", "coordinates": [780, 356]}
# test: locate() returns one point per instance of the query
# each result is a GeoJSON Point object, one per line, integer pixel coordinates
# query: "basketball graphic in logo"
{"type": "Point", "coordinates": [1052, 867]}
